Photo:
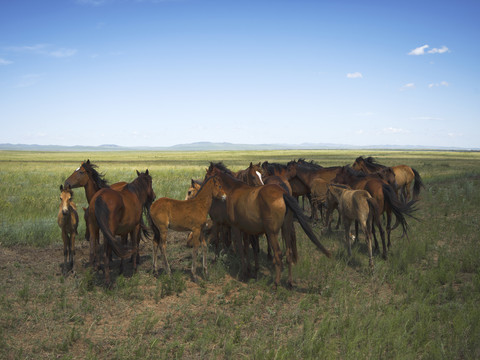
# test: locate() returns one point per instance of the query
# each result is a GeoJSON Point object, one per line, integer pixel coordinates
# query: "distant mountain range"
{"type": "Point", "coordinates": [210, 146]}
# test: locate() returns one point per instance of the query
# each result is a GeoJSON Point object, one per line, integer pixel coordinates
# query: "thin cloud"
{"type": "Point", "coordinates": [355, 75]}
{"type": "Point", "coordinates": [442, 50]}
{"type": "Point", "coordinates": [443, 83]}
{"type": "Point", "coordinates": [44, 49]}
{"type": "Point", "coordinates": [28, 80]}
{"type": "Point", "coordinates": [422, 50]}
{"type": "Point", "coordinates": [426, 118]}
{"type": "Point", "coordinates": [5, 62]}
{"type": "Point", "coordinates": [408, 86]}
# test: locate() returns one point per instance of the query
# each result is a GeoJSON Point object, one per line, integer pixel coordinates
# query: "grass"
{"type": "Point", "coordinates": [421, 303]}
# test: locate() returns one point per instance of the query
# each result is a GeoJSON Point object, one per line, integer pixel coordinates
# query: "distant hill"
{"type": "Point", "coordinates": [224, 146]}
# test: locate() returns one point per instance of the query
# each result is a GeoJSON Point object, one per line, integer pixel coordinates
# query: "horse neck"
{"type": "Point", "coordinates": [336, 191]}
{"type": "Point", "coordinates": [90, 189]}
{"type": "Point", "coordinates": [204, 197]}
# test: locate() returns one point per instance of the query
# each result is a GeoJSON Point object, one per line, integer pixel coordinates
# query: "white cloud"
{"type": "Point", "coordinates": [418, 51]}
{"type": "Point", "coordinates": [4, 62]}
{"type": "Point", "coordinates": [442, 50]}
{"type": "Point", "coordinates": [421, 50]}
{"type": "Point", "coordinates": [407, 86]}
{"type": "Point", "coordinates": [443, 83]}
{"type": "Point", "coordinates": [61, 53]}
{"type": "Point", "coordinates": [355, 75]}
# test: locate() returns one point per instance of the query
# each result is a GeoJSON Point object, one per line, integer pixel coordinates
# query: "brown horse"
{"type": "Point", "coordinates": [119, 213]}
{"type": "Point", "coordinates": [383, 193]}
{"type": "Point", "coordinates": [404, 176]}
{"type": "Point", "coordinates": [266, 209]}
{"type": "Point", "coordinates": [87, 176]}
{"type": "Point", "coordinates": [67, 219]}
{"type": "Point", "coordinates": [357, 205]}
{"type": "Point", "coordinates": [184, 215]}
{"type": "Point", "coordinates": [252, 175]}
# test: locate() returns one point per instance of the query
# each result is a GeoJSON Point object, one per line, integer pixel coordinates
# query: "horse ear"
{"type": "Point", "coordinates": [138, 174]}
{"type": "Point", "coordinates": [88, 161]}
{"type": "Point", "coordinates": [61, 187]}
{"type": "Point", "coordinates": [192, 182]}
{"type": "Point", "coordinates": [146, 172]}
{"type": "Point", "coordinates": [251, 164]}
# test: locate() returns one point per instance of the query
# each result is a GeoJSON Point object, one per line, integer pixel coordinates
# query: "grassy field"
{"type": "Point", "coordinates": [421, 303]}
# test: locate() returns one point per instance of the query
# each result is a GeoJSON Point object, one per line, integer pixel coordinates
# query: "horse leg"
{"type": "Point", "coordinates": [389, 227]}
{"type": "Point", "coordinates": [382, 235]}
{"type": "Point", "coordinates": [204, 254]}
{"type": "Point", "coordinates": [255, 242]}
{"type": "Point", "coordinates": [289, 237]}
{"type": "Point", "coordinates": [346, 226]}
{"type": "Point", "coordinates": [106, 260]}
{"type": "Point", "coordinates": [94, 235]}
{"type": "Point", "coordinates": [366, 229]}
{"type": "Point", "coordinates": [195, 243]}
{"type": "Point", "coordinates": [65, 248]}
{"type": "Point", "coordinates": [374, 235]}
{"type": "Point", "coordinates": [237, 239]}
{"type": "Point", "coordinates": [246, 247]}
{"type": "Point", "coordinates": [163, 250]}
{"type": "Point", "coordinates": [72, 248]}
{"type": "Point", "coordinates": [272, 238]}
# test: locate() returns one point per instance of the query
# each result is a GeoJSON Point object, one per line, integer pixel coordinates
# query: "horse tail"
{"type": "Point", "coordinates": [401, 210]}
{"type": "Point", "coordinates": [102, 214]}
{"type": "Point", "coordinates": [292, 204]}
{"type": "Point", "coordinates": [417, 184]}
{"type": "Point", "coordinates": [156, 232]}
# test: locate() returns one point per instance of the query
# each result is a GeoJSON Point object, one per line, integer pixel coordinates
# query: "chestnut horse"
{"type": "Point", "coordinates": [267, 209]}
{"type": "Point", "coordinates": [404, 176]}
{"type": "Point", "coordinates": [357, 205]}
{"type": "Point", "coordinates": [119, 213]}
{"type": "Point", "coordinates": [184, 215]}
{"type": "Point", "coordinates": [68, 222]}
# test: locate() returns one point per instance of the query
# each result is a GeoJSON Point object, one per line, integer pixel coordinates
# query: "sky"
{"type": "Point", "coordinates": [167, 72]}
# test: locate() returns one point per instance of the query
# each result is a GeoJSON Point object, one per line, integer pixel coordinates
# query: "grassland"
{"type": "Point", "coordinates": [421, 303]}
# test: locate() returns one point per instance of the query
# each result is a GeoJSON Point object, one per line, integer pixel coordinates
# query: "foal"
{"type": "Point", "coordinates": [184, 215]}
{"type": "Point", "coordinates": [67, 221]}
{"type": "Point", "coordinates": [357, 205]}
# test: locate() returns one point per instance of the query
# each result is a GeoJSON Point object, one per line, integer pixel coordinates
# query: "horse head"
{"type": "Point", "coordinates": [144, 188]}
{"type": "Point", "coordinates": [66, 195]}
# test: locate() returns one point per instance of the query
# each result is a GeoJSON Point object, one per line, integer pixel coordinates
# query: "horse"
{"type": "Point", "coordinates": [119, 213]}
{"type": "Point", "coordinates": [87, 176]}
{"type": "Point", "coordinates": [307, 172]}
{"type": "Point", "coordinates": [404, 176]}
{"type": "Point", "coordinates": [252, 175]}
{"type": "Point", "coordinates": [67, 220]}
{"type": "Point", "coordinates": [357, 205]}
{"type": "Point", "coordinates": [184, 215]}
{"type": "Point", "coordinates": [319, 189]}
{"type": "Point", "coordinates": [266, 209]}
{"type": "Point", "coordinates": [383, 193]}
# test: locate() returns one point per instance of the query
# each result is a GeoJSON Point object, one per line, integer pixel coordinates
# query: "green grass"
{"type": "Point", "coordinates": [421, 303]}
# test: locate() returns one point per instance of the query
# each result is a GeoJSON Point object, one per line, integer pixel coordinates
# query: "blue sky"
{"type": "Point", "coordinates": [160, 73]}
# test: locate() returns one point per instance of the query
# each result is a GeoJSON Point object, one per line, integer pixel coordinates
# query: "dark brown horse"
{"type": "Point", "coordinates": [119, 213]}
{"type": "Point", "coordinates": [266, 210]}
{"type": "Point", "coordinates": [87, 176]}
{"type": "Point", "coordinates": [252, 175]}
{"type": "Point", "coordinates": [383, 193]}
{"type": "Point", "coordinates": [67, 220]}
{"type": "Point", "coordinates": [404, 176]}
{"type": "Point", "coordinates": [184, 215]}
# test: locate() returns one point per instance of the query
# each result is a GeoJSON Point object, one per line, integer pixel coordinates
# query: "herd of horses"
{"type": "Point", "coordinates": [238, 207]}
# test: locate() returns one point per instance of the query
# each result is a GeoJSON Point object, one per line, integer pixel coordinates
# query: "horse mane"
{"type": "Point", "coordinates": [97, 177]}
{"type": "Point", "coordinates": [220, 166]}
{"type": "Point", "coordinates": [310, 165]}
{"type": "Point", "coordinates": [202, 184]}
{"type": "Point", "coordinates": [372, 164]}
{"type": "Point", "coordinates": [271, 168]}
{"type": "Point", "coordinates": [352, 172]}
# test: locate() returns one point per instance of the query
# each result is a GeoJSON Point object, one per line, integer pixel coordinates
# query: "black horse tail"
{"type": "Point", "coordinates": [417, 185]}
{"type": "Point", "coordinates": [156, 232]}
{"type": "Point", "coordinates": [102, 214]}
{"type": "Point", "coordinates": [401, 210]}
{"type": "Point", "coordinates": [292, 204]}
